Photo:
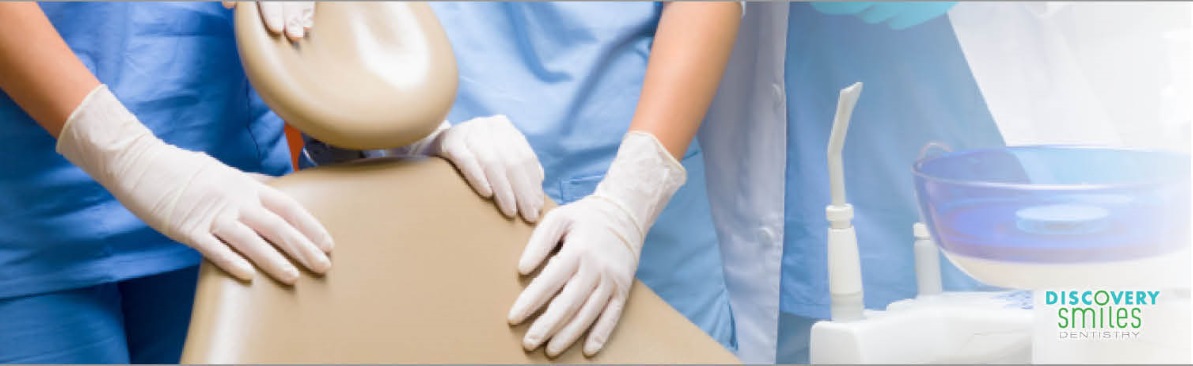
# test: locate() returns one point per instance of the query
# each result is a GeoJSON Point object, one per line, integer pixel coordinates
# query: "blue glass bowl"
{"type": "Point", "coordinates": [1056, 204]}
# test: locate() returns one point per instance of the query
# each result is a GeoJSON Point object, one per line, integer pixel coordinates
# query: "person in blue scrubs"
{"type": "Point", "coordinates": [127, 134]}
{"type": "Point", "coordinates": [574, 77]}
{"type": "Point", "coordinates": [918, 89]}
{"type": "Point", "coordinates": [609, 96]}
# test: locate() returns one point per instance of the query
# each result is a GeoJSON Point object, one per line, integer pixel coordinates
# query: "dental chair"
{"type": "Point", "coordinates": [424, 269]}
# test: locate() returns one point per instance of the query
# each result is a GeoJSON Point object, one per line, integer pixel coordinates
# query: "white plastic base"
{"type": "Point", "coordinates": [961, 327]}
{"type": "Point", "coordinates": [1165, 271]}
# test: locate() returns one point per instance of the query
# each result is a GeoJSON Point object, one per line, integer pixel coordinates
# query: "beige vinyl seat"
{"type": "Point", "coordinates": [424, 270]}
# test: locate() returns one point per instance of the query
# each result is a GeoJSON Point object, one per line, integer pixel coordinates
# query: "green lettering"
{"type": "Point", "coordinates": [1087, 316]}
{"type": "Point", "coordinates": [1062, 313]}
{"type": "Point", "coordinates": [1105, 298]}
{"type": "Point", "coordinates": [1138, 321]}
{"type": "Point", "coordinates": [1120, 319]}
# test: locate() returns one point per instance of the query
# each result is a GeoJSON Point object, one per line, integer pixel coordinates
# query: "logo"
{"type": "Point", "coordinates": [1100, 314]}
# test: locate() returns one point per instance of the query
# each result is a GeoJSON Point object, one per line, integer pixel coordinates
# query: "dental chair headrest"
{"type": "Point", "coordinates": [368, 75]}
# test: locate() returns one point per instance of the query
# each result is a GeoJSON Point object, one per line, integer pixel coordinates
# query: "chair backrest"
{"type": "Point", "coordinates": [423, 272]}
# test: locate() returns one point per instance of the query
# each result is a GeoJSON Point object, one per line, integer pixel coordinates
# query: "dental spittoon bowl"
{"type": "Point", "coordinates": [1035, 217]}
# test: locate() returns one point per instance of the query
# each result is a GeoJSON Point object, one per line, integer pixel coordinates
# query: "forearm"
{"type": "Point", "coordinates": [690, 51]}
{"type": "Point", "coordinates": [37, 69]}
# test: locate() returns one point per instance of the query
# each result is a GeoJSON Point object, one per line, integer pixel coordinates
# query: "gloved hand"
{"type": "Point", "coordinates": [191, 197]}
{"type": "Point", "coordinates": [495, 159]}
{"type": "Point", "coordinates": [600, 238]}
{"type": "Point", "coordinates": [293, 18]}
{"type": "Point", "coordinates": [896, 14]}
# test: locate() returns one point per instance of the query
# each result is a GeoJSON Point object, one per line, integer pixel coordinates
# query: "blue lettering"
{"type": "Point", "coordinates": [1072, 298]}
{"type": "Point", "coordinates": [1118, 296]}
{"type": "Point", "coordinates": [1085, 298]}
{"type": "Point", "coordinates": [1050, 297]}
{"type": "Point", "coordinates": [1139, 297]}
{"type": "Point", "coordinates": [1153, 295]}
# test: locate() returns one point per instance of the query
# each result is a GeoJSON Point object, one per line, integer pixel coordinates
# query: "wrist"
{"type": "Point", "coordinates": [101, 134]}
{"type": "Point", "coordinates": [642, 179]}
{"type": "Point", "coordinates": [618, 214]}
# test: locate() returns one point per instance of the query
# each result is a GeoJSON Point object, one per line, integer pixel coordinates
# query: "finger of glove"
{"type": "Point", "coordinates": [229, 4]}
{"type": "Point", "coordinates": [224, 257]}
{"type": "Point", "coordinates": [529, 175]}
{"type": "Point", "coordinates": [514, 137]}
{"type": "Point", "coordinates": [527, 190]}
{"type": "Point", "coordinates": [553, 277]}
{"type": "Point", "coordinates": [241, 237]}
{"type": "Point", "coordinates": [308, 14]}
{"type": "Point", "coordinates": [841, 7]}
{"type": "Point", "coordinates": [923, 12]}
{"type": "Point", "coordinates": [293, 212]}
{"type": "Point", "coordinates": [543, 239]}
{"type": "Point", "coordinates": [494, 164]}
{"type": "Point", "coordinates": [464, 159]}
{"type": "Point", "coordinates": [604, 326]}
{"type": "Point", "coordinates": [881, 12]}
{"type": "Point", "coordinates": [273, 16]}
{"type": "Point", "coordinates": [583, 319]}
{"type": "Point", "coordinates": [289, 239]}
{"type": "Point", "coordinates": [293, 12]}
{"type": "Point", "coordinates": [561, 309]}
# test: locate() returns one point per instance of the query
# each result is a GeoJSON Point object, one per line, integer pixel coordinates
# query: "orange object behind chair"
{"type": "Point", "coordinates": [294, 139]}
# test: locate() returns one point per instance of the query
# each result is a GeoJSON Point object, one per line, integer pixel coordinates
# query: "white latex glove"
{"type": "Point", "coordinates": [600, 238]}
{"type": "Point", "coordinates": [495, 159]}
{"type": "Point", "coordinates": [225, 214]}
{"type": "Point", "coordinates": [293, 18]}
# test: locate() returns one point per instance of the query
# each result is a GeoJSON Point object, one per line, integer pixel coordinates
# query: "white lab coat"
{"type": "Point", "coordinates": [1051, 72]}
{"type": "Point", "coordinates": [745, 141]}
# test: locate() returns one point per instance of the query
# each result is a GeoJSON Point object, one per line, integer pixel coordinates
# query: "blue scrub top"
{"type": "Point", "coordinates": [175, 66]}
{"type": "Point", "coordinates": [568, 74]}
{"type": "Point", "coordinates": [918, 89]}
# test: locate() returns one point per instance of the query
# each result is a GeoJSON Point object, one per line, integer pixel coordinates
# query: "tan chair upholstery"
{"type": "Point", "coordinates": [423, 272]}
